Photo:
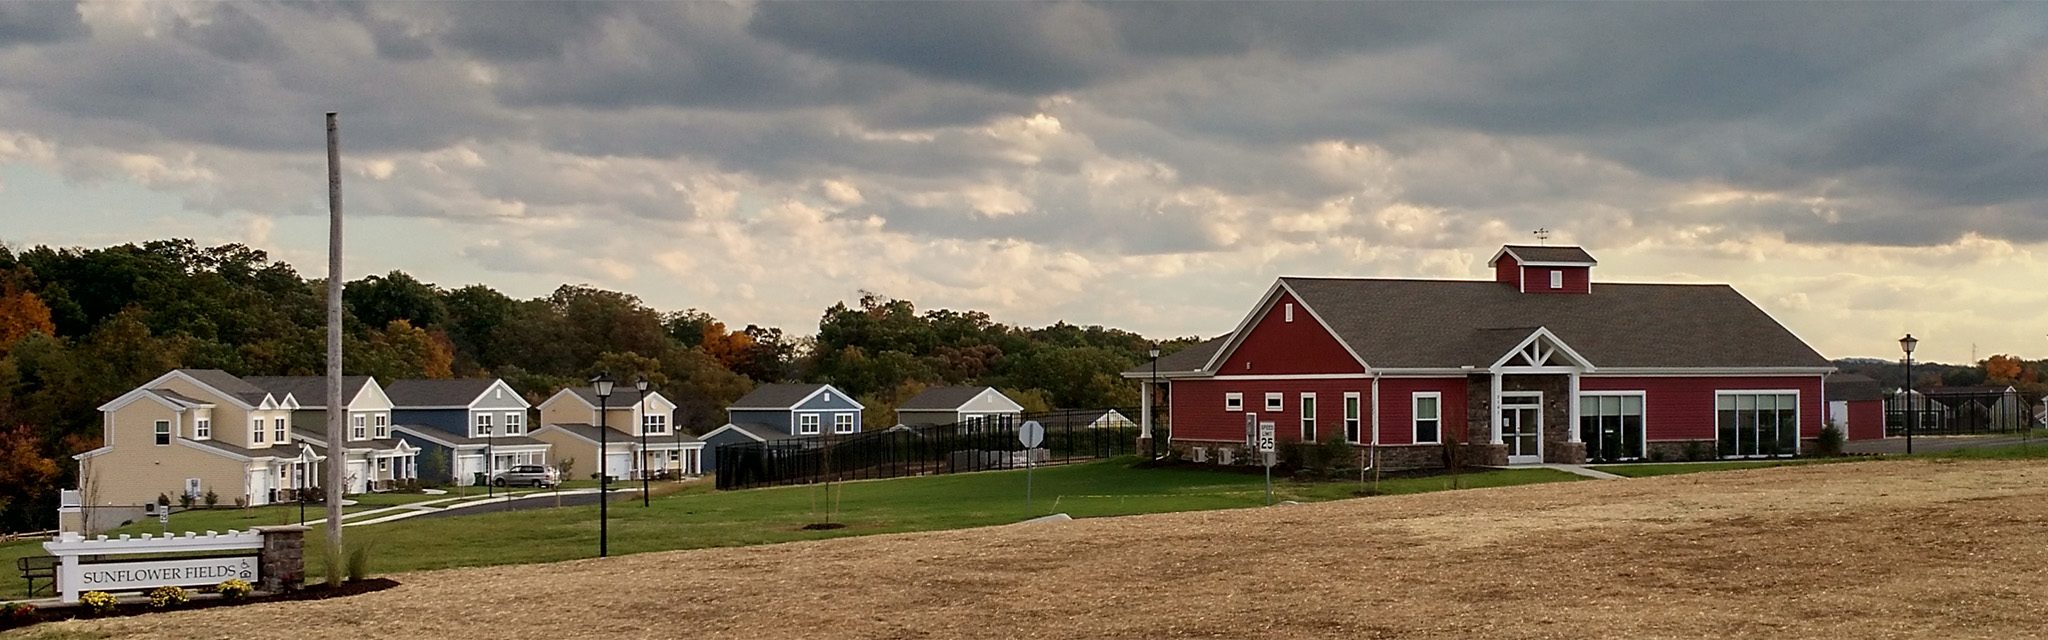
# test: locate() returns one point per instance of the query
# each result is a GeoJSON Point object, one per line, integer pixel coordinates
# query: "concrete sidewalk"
{"type": "Point", "coordinates": [1579, 469]}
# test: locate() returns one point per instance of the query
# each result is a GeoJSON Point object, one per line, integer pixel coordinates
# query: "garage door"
{"type": "Point", "coordinates": [618, 465]}
{"type": "Point", "coordinates": [467, 468]}
{"type": "Point", "coordinates": [358, 475]}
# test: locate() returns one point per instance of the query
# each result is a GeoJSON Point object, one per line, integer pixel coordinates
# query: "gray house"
{"type": "Point", "coordinates": [958, 405]}
{"type": "Point", "coordinates": [468, 426]}
{"type": "Point", "coordinates": [784, 411]}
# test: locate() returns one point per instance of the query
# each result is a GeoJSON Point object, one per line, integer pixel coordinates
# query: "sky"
{"type": "Point", "coordinates": [1859, 170]}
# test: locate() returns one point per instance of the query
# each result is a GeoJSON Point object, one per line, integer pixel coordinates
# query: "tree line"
{"type": "Point", "coordinates": [80, 326]}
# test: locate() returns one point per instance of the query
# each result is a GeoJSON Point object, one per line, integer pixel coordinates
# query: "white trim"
{"type": "Point", "coordinates": [1294, 376]}
{"type": "Point", "coordinates": [1642, 394]}
{"type": "Point", "coordinates": [1557, 279]}
{"type": "Point", "coordinates": [1798, 418]}
{"type": "Point", "coordinates": [1309, 416]}
{"type": "Point", "coordinates": [1509, 251]}
{"type": "Point", "coordinates": [822, 388]}
{"type": "Point", "coordinates": [852, 425]}
{"type": "Point", "coordinates": [1233, 398]}
{"type": "Point", "coordinates": [1536, 404]}
{"type": "Point", "coordinates": [1704, 372]}
{"type": "Point", "coordinates": [139, 393]}
{"type": "Point", "coordinates": [495, 383]}
{"type": "Point", "coordinates": [1288, 312]}
{"type": "Point", "coordinates": [1345, 418]}
{"type": "Point", "coordinates": [731, 427]}
{"type": "Point", "coordinates": [817, 425]}
{"type": "Point", "coordinates": [1415, 417]}
{"type": "Point", "coordinates": [1529, 346]}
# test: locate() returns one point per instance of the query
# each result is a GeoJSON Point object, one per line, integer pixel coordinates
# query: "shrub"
{"type": "Point", "coordinates": [211, 499]}
{"type": "Point", "coordinates": [330, 563]}
{"type": "Point", "coordinates": [167, 597]}
{"type": "Point", "coordinates": [234, 589]}
{"type": "Point", "coordinates": [163, 500]}
{"type": "Point", "coordinates": [359, 562]}
{"type": "Point", "coordinates": [1335, 452]}
{"type": "Point", "coordinates": [18, 614]}
{"type": "Point", "coordinates": [98, 601]}
{"type": "Point", "coordinates": [1830, 443]}
{"type": "Point", "coordinates": [184, 500]}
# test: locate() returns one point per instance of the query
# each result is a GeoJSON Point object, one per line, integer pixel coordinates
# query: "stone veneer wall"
{"type": "Point", "coordinates": [1391, 458]}
{"type": "Point", "coordinates": [282, 562]}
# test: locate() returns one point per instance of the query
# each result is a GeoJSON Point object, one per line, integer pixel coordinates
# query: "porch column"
{"type": "Point", "coordinates": [1571, 427]}
{"type": "Point", "coordinates": [1494, 409]}
{"type": "Point", "coordinates": [1145, 410]}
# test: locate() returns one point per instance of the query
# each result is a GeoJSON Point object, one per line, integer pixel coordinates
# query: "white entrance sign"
{"type": "Point", "coordinates": [146, 574]}
{"type": "Point", "coordinates": [1031, 434]}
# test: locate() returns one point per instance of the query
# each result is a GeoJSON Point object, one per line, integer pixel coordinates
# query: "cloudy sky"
{"type": "Point", "coordinates": [1860, 170]}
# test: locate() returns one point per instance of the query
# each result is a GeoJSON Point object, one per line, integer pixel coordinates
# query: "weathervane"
{"type": "Point", "coordinates": [1542, 235]}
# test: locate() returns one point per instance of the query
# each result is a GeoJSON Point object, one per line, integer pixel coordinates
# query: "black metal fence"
{"type": "Point", "coordinates": [987, 444]}
{"type": "Point", "coordinates": [1951, 411]}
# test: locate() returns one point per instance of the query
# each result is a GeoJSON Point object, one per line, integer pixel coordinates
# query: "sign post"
{"type": "Point", "coordinates": [1266, 447]}
{"type": "Point", "coordinates": [1031, 434]}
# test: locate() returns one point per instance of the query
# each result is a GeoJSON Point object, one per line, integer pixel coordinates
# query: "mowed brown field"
{"type": "Point", "coordinates": [1865, 550]}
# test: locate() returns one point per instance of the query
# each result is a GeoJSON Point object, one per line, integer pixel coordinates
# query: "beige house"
{"type": "Point", "coordinates": [569, 424]}
{"type": "Point", "coordinates": [191, 431]}
{"type": "Point", "coordinates": [376, 458]}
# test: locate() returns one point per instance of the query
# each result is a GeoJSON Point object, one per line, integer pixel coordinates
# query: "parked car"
{"type": "Point", "coordinates": [526, 475]}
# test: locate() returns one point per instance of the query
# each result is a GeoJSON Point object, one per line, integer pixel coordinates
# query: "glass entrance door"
{"type": "Point", "coordinates": [1521, 429]}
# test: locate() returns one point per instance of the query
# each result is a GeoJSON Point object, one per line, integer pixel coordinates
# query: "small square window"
{"type": "Point", "coordinates": [1276, 402]}
{"type": "Point", "coordinates": [1233, 401]}
{"type": "Point", "coordinates": [1289, 311]}
{"type": "Point", "coordinates": [163, 432]}
{"type": "Point", "coordinates": [1557, 278]}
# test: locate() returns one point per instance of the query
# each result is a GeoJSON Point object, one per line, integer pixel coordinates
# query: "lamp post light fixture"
{"type": "Point", "coordinates": [1907, 344]}
{"type": "Point", "coordinates": [602, 386]}
{"type": "Point", "coordinates": [641, 384]}
{"type": "Point", "coordinates": [1152, 402]}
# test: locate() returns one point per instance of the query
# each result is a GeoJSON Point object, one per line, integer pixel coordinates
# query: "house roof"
{"type": "Point", "coordinates": [1853, 388]}
{"type": "Point", "coordinates": [176, 397]}
{"type": "Point", "coordinates": [941, 398]}
{"type": "Point", "coordinates": [1393, 323]}
{"type": "Point", "coordinates": [760, 431]}
{"type": "Point", "coordinates": [453, 392]}
{"type": "Point", "coordinates": [227, 383]}
{"type": "Point", "coordinates": [317, 440]}
{"type": "Point", "coordinates": [1561, 254]}
{"type": "Point", "coordinates": [1073, 418]}
{"type": "Point", "coordinates": [1191, 358]}
{"type": "Point", "coordinates": [446, 438]}
{"type": "Point", "coordinates": [623, 395]}
{"type": "Point", "coordinates": [590, 432]}
{"type": "Point", "coordinates": [777, 396]}
{"type": "Point", "coordinates": [291, 451]}
{"type": "Point", "coordinates": [1986, 390]}
{"type": "Point", "coordinates": [310, 391]}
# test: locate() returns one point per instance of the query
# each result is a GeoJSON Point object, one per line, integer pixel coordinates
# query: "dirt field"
{"type": "Point", "coordinates": [1869, 550]}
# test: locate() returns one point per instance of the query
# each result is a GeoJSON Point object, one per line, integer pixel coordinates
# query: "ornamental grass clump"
{"type": "Point", "coordinates": [234, 589]}
{"type": "Point", "coordinates": [99, 602]}
{"type": "Point", "coordinates": [167, 597]}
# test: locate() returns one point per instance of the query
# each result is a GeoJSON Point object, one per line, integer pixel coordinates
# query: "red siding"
{"type": "Point", "coordinates": [1507, 270]}
{"type": "Point", "coordinates": [1275, 346]}
{"type": "Point", "coordinates": [1576, 279]}
{"type": "Point", "coordinates": [1866, 420]}
{"type": "Point", "coordinates": [1683, 408]}
{"type": "Point", "coordinates": [1198, 413]}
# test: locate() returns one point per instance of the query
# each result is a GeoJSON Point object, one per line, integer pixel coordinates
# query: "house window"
{"type": "Point", "coordinates": [1233, 401]}
{"type": "Point", "coordinates": [842, 423]}
{"type": "Point", "coordinates": [1557, 278]}
{"type": "Point", "coordinates": [1611, 425]}
{"type": "Point", "coordinates": [383, 424]}
{"type": "Point", "coordinates": [1288, 310]}
{"type": "Point", "coordinates": [807, 424]}
{"type": "Point", "coordinates": [1428, 417]}
{"type": "Point", "coordinates": [277, 427]}
{"type": "Point", "coordinates": [515, 424]}
{"type": "Point", "coordinates": [654, 424]}
{"type": "Point", "coordinates": [1308, 418]}
{"type": "Point", "coordinates": [202, 429]}
{"type": "Point", "coordinates": [163, 432]}
{"type": "Point", "coordinates": [1754, 423]}
{"type": "Point", "coordinates": [483, 425]}
{"type": "Point", "coordinates": [356, 426]}
{"type": "Point", "coordinates": [1275, 402]}
{"type": "Point", "coordinates": [828, 396]}
{"type": "Point", "coordinates": [256, 431]}
{"type": "Point", "coordinates": [1352, 430]}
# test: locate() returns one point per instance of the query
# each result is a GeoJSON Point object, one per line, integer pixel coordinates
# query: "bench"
{"type": "Point", "coordinates": [42, 568]}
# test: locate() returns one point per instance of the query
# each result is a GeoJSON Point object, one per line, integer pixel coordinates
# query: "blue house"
{"type": "Point", "coordinates": [469, 426]}
{"type": "Point", "coordinates": [781, 412]}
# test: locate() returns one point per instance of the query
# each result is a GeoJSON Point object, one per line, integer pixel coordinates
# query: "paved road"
{"type": "Point", "coordinates": [1925, 444]}
{"type": "Point", "coordinates": [543, 501]}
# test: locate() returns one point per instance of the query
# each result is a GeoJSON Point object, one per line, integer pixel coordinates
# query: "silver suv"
{"type": "Point", "coordinates": [526, 475]}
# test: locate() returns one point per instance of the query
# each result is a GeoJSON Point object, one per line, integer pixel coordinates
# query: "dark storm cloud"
{"type": "Point", "coordinates": [1011, 46]}
{"type": "Point", "coordinates": [24, 23]}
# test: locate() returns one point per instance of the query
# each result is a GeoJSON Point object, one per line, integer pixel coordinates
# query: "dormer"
{"type": "Point", "coordinates": [1544, 269]}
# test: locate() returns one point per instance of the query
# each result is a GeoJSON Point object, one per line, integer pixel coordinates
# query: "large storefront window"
{"type": "Point", "coordinates": [1611, 426]}
{"type": "Point", "coordinates": [1757, 424]}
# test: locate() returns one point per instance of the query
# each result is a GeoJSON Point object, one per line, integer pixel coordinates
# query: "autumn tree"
{"type": "Point", "coordinates": [2003, 369]}
{"type": "Point", "coordinates": [22, 313]}
{"type": "Point", "coordinates": [27, 476]}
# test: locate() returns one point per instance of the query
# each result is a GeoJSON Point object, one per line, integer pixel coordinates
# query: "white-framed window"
{"type": "Point", "coordinates": [163, 432]}
{"type": "Point", "coordinates": [1756, 423]}
{"type": "Point", "coordinates": [828, 396]}
{"type": "Point", "coordinates": [483, 425]}
{"type": "Point", "coordinates": [842, 423]}
{"type": "Point", "coordinates": [515, 424]}
{"type": "Point", "coordinates": [202, 429]}
{"type": "Point", "coordinates": [1429, 420]}
{"type": "Point", "coordinates": [356, 423]}
{"type": "Point", "coordinates": [1276, 402]}
{"type": "Point", "coordinates": [382, 424]}
{"type": "Point", "coordinates": [807, 424]}
{"type": "Point", "coordinates": [1288, 312]}
{"type": "Point", "coordinates": [1611, 424]}
{"type": "Point", "coordinates": [1308, 418]}
{"type": "Point", "coordinates": [654, 424]}
{"type": "Point", "coordinates": [277, 428]}
{"type": "Point", "coordinates": [1233, 401]}
{"type": "Point", "coordinates": [1557, 278]}
{"type": "Point", "coordinates": [1353, 430]}
{"type": "Point", "coordinates": [256, 430]}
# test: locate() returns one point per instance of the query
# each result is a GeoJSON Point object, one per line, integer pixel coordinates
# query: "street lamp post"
{"type": "Point", "coordinates": [641, 384]}
{"type": "Point", "coordinates": [305, 476]}
{"type": "Point", "coordinates": [602, 385]}
{"type": "Point", "coordinates": [490, 459]}
{"type": "Point", "coordinates": [1152, 402]}
{"type": "Point", "coordinates": [1907, 343]}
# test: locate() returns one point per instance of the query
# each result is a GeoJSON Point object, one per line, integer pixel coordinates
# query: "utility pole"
{"type": "Point", "coordinates": [337, 446]}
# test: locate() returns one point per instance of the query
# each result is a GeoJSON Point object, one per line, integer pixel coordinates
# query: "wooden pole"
{"type": "Point", "coordinates": [337, 446]}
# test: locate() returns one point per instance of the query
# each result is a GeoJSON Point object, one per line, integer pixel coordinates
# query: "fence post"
{"type": "Point", "coordinates": [282, 561]}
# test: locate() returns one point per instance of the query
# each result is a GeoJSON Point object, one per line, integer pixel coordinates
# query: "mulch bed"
{"type": "Point", "coordinates": [71, 612]}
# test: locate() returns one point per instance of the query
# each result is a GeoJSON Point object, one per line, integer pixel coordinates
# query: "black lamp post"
{"type": "Point", "coordinates": [1152, 402]}
{"type": "Point", "coordinates": [602, 386]}
{"type": "Point", "coordinates": [305, 474]}
{"type": "Point", "coordinates": [490, 459]}
{"type": "Point", "coordinates": [641, 384]}
{"type": "Point", "coordinates": [1907, 343]}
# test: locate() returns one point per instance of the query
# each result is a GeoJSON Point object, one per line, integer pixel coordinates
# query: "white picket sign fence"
{"type": "Point", "coordinates": [74, 575]}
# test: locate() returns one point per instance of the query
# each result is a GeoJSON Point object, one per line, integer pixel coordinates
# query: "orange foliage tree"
{"type": "Point", "coordinates": [22, 313]}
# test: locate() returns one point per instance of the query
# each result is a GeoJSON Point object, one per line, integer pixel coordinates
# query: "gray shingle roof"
{"type": "Point", "coordinates": [763, 431]}
{"type": "Point", "coordinates": [1190, 358]}
{"type": "Point", "coordinates": [941, 399]}
{"type": "Point", "coordinates": [776, 396]}
{"type": "Point", "coordinates": [455, 392]}
{"type": "Point", "coordinates": [310, 391]}
{"type": "Point", "coordinates": [623, 395]}
{"type": "Point", "coordinates": [438, 435]}
{"type": "Point", "coordinates": [227, 383]}
{"type": "Point", "coordinates": [174, 396]}
{"type": "Point", "coordinates": [1526, 253]}
{"type": "Point", "coordinates": [1853, 388]}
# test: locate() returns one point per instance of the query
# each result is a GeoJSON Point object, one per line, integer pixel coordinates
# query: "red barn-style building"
{"type": "Point", "coordinates": [1540, 364]}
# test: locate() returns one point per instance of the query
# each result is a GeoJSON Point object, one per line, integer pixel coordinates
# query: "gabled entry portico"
{"type": "Point", "coordinates": [1533, 408]}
